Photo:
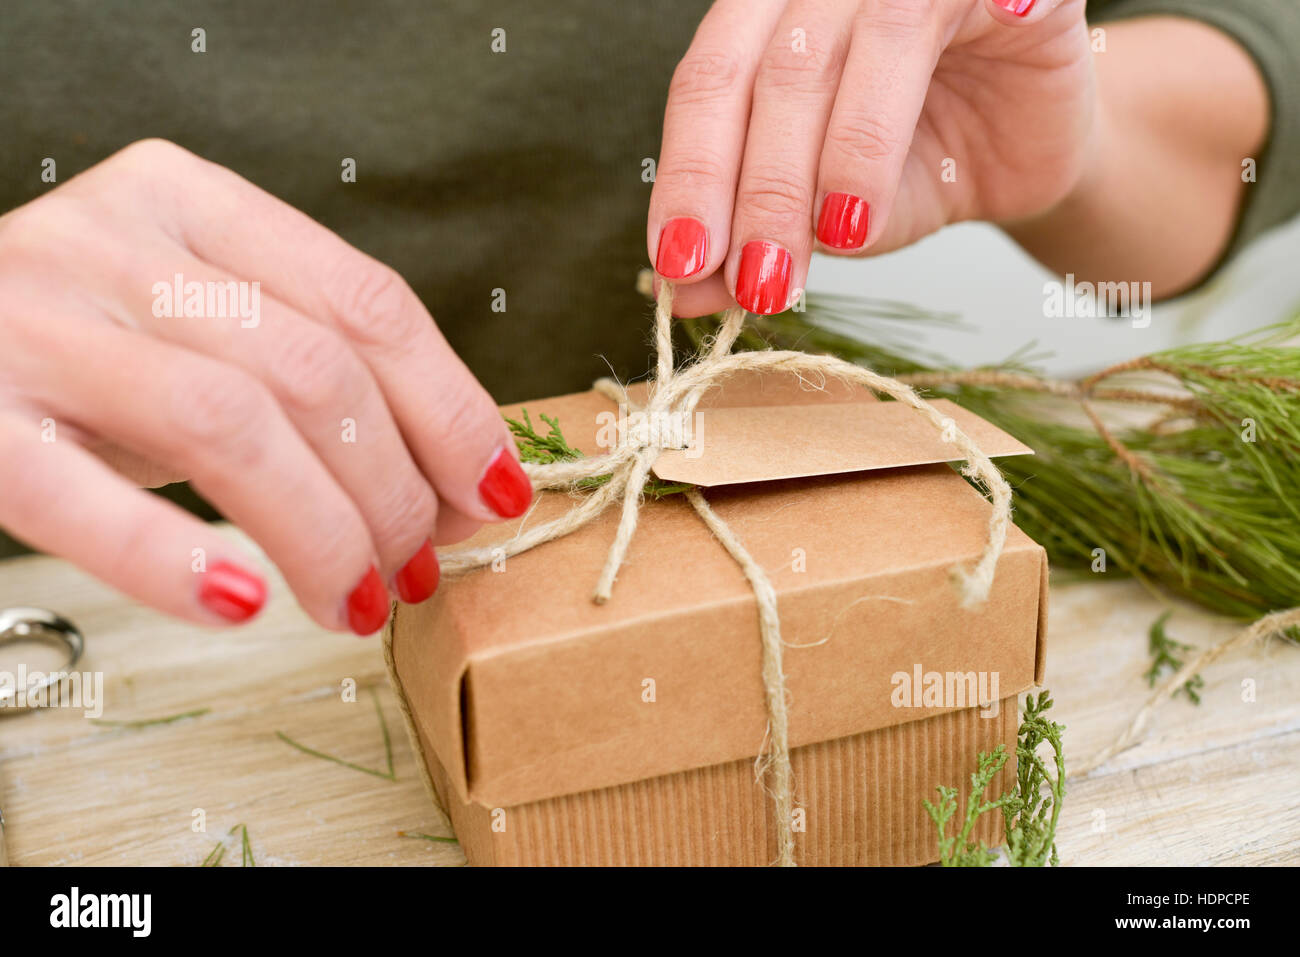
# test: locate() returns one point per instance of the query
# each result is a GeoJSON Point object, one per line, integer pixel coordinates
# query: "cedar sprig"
{"type": "Point", "coordinates": [1030, 810]}
{"type": "Point", "coordinates": [1034, 808]}
{"type": "Point", "coordinates": [958, 850]}
{"type": "Point", "coordinates": [552, 446]}
{"type": "Point", "coordinates": [534, 446]}
{"type": "Point", "coordinates": [1166, 657]}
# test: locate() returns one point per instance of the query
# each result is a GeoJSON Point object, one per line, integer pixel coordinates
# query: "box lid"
{"type": "Point", "coordinates": [528, 690]}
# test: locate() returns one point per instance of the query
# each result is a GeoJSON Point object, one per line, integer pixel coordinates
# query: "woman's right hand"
{"type": "Point", "coordinates": [323, 412]}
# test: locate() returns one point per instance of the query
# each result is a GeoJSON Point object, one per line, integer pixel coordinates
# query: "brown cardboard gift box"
{"type": "Point", "coordinates": [558, 731]}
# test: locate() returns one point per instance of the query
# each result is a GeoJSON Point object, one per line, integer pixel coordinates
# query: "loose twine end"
{"type": "Point", "coordinates": [1270, 626]}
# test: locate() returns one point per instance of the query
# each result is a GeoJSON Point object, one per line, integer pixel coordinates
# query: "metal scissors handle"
{"type": "Point", "coordinates": [20, 625]}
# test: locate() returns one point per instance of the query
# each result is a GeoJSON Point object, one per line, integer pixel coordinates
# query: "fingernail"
{"type": "Point", "coordinates": [504, 486]}
{"type": "Point", "coordinates": [844, 220]}
{"type": "Point", "coordinates": [763, 283]}
{"type": "Point", "coordinates": [231, 592]}
{"type": "Point", "coordinates": [418, 578]}
{"type": "Point", "coordinates": [683, 244]}
{"type": "Point", "coordinates": [368, 604]}
{"type": "Point", "coordinates": [1020, 8]}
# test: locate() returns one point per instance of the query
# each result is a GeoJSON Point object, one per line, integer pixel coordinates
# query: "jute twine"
{"type": "Point", "coordinates": [678, 391]}
{"type": "Point", "coordinates": [1270, 626]}
{"type": "Point", "coordinates": [675, 393]}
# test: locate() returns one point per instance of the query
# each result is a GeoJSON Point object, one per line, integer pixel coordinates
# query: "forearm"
{"type": "Point", "coordinates": [1180, 107]}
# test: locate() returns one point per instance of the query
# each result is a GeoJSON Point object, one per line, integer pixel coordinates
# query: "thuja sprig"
{"type": "Point", "coordinates": [1166, 657]}
{"type": "Point", "coordinates": [1032, 813]}
{"type": "Point", "coordinates": [551, 447]}
{"type": "Point", "coordinates": [534, 446]}
{"type": "Point", "coordinates": [1030, 810]}
{"type": "Point", "coordinates": [958, 850]}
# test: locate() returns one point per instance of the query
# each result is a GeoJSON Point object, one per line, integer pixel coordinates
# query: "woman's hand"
{"type": "Point", "coordinates": [860, 126]}
{"type": "Point", "coordinates": [321, 410]}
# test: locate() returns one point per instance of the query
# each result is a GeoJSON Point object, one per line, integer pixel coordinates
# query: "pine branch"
{"type": "Point", "coordinates": [1203, 498]}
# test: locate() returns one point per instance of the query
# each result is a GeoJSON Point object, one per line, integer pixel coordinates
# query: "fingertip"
{"type": "Point", "coordinates": [453, 525]}
{"type": "Point", "coordinates": [418, 579]}
{"type": "Point", "coordinates": [505, 487]}
{"type": "Point", "coordinates": [844, 222]}
{"type": "Point", "coordinates": [683, 249]}
{"type": "Point", "coordinates": [368, 604]}
{"type": "Point", "coordinates": [763, 277]}
{"type": "Point", "coordinates": [231, 592]}
{"type": "Point", "coordinates": [1011, 12]}
{"type": "Point", "coordinates": [703, 298]}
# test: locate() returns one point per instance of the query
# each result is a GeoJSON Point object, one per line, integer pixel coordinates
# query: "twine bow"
{"type": "Point", "coordinates": [675, 392]}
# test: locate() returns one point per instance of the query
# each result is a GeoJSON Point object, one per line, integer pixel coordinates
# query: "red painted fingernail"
{"type": "Point", "coordinates": [231, 592]}
{"type": "Point", "coordinates": [505, 487]}
{"type": "Point", "coordinates": [368, 604]}
{"type": "Point", "coordinates": [843, 221]}
{"type": "Point", "coordinates": [1020, 8]}
{"type": "Point", "coordinates": [418, 578]}
{"type": "Point", "coordinates": [763, 283]}
{"type": "Point", "coordinates": [683, 244]}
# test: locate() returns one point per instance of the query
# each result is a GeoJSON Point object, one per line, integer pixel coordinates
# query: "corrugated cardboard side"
{"type": "Point", "coordinates": [861, 796]}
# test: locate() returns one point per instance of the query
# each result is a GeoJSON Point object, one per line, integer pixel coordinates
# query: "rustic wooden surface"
{"type": "Point", "coordinates": [1213, 784]}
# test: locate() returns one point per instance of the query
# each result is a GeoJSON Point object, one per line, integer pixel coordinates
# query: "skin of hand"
{"type": "Point", "coordinates": [855, 127]}
{"type": "Point", "coordinates": [338, 428]}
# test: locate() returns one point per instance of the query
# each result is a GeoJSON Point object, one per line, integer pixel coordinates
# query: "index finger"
{"type": "Point", "coordinates": [704, 137]}
{"type": "Point", "coordinates": [450, 423]}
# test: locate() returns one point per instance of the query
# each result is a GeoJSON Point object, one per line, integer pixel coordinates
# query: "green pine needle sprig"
{"type": "Point", "coordinates": [1201, 494]}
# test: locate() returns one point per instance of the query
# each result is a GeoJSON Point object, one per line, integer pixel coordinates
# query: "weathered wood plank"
{"type": "Point", "coordinates": [1210, 784]}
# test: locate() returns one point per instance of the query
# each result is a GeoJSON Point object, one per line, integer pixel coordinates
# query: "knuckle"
{"type": "Point", "coordinates": [371, 304]}
{"type": "Point", "coordinates": [460, 417]}
{"type": "Point", "coordinates": [864, 138]}
{"type": "Point", "coordinates": [151, 154]}
{"type": "Point", "coordinates": [693, 171]}
{"type": "Point", "coordinates": [775, 194]}
{"type": "Point", "coordinates": [38, 231]}
{"type": "Point", "coordinates": [26, 240]}
{"type": "Point", "coordinates": [21, 493]}
{"type": "Point", "coordinates": [703, 75]}
{"type": "Point", "coordinates": [407, 517]}
{"type": "Point", "coordinates": [134, 548]}
{"type": "Point", "coordinates": [317, 370]}
{"type": "Point", "coordinates": [224, 413]}
{"type": "Point", "coordinates": [810, 70]}
{"type": "Point", "coordinates": [898, 19]}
